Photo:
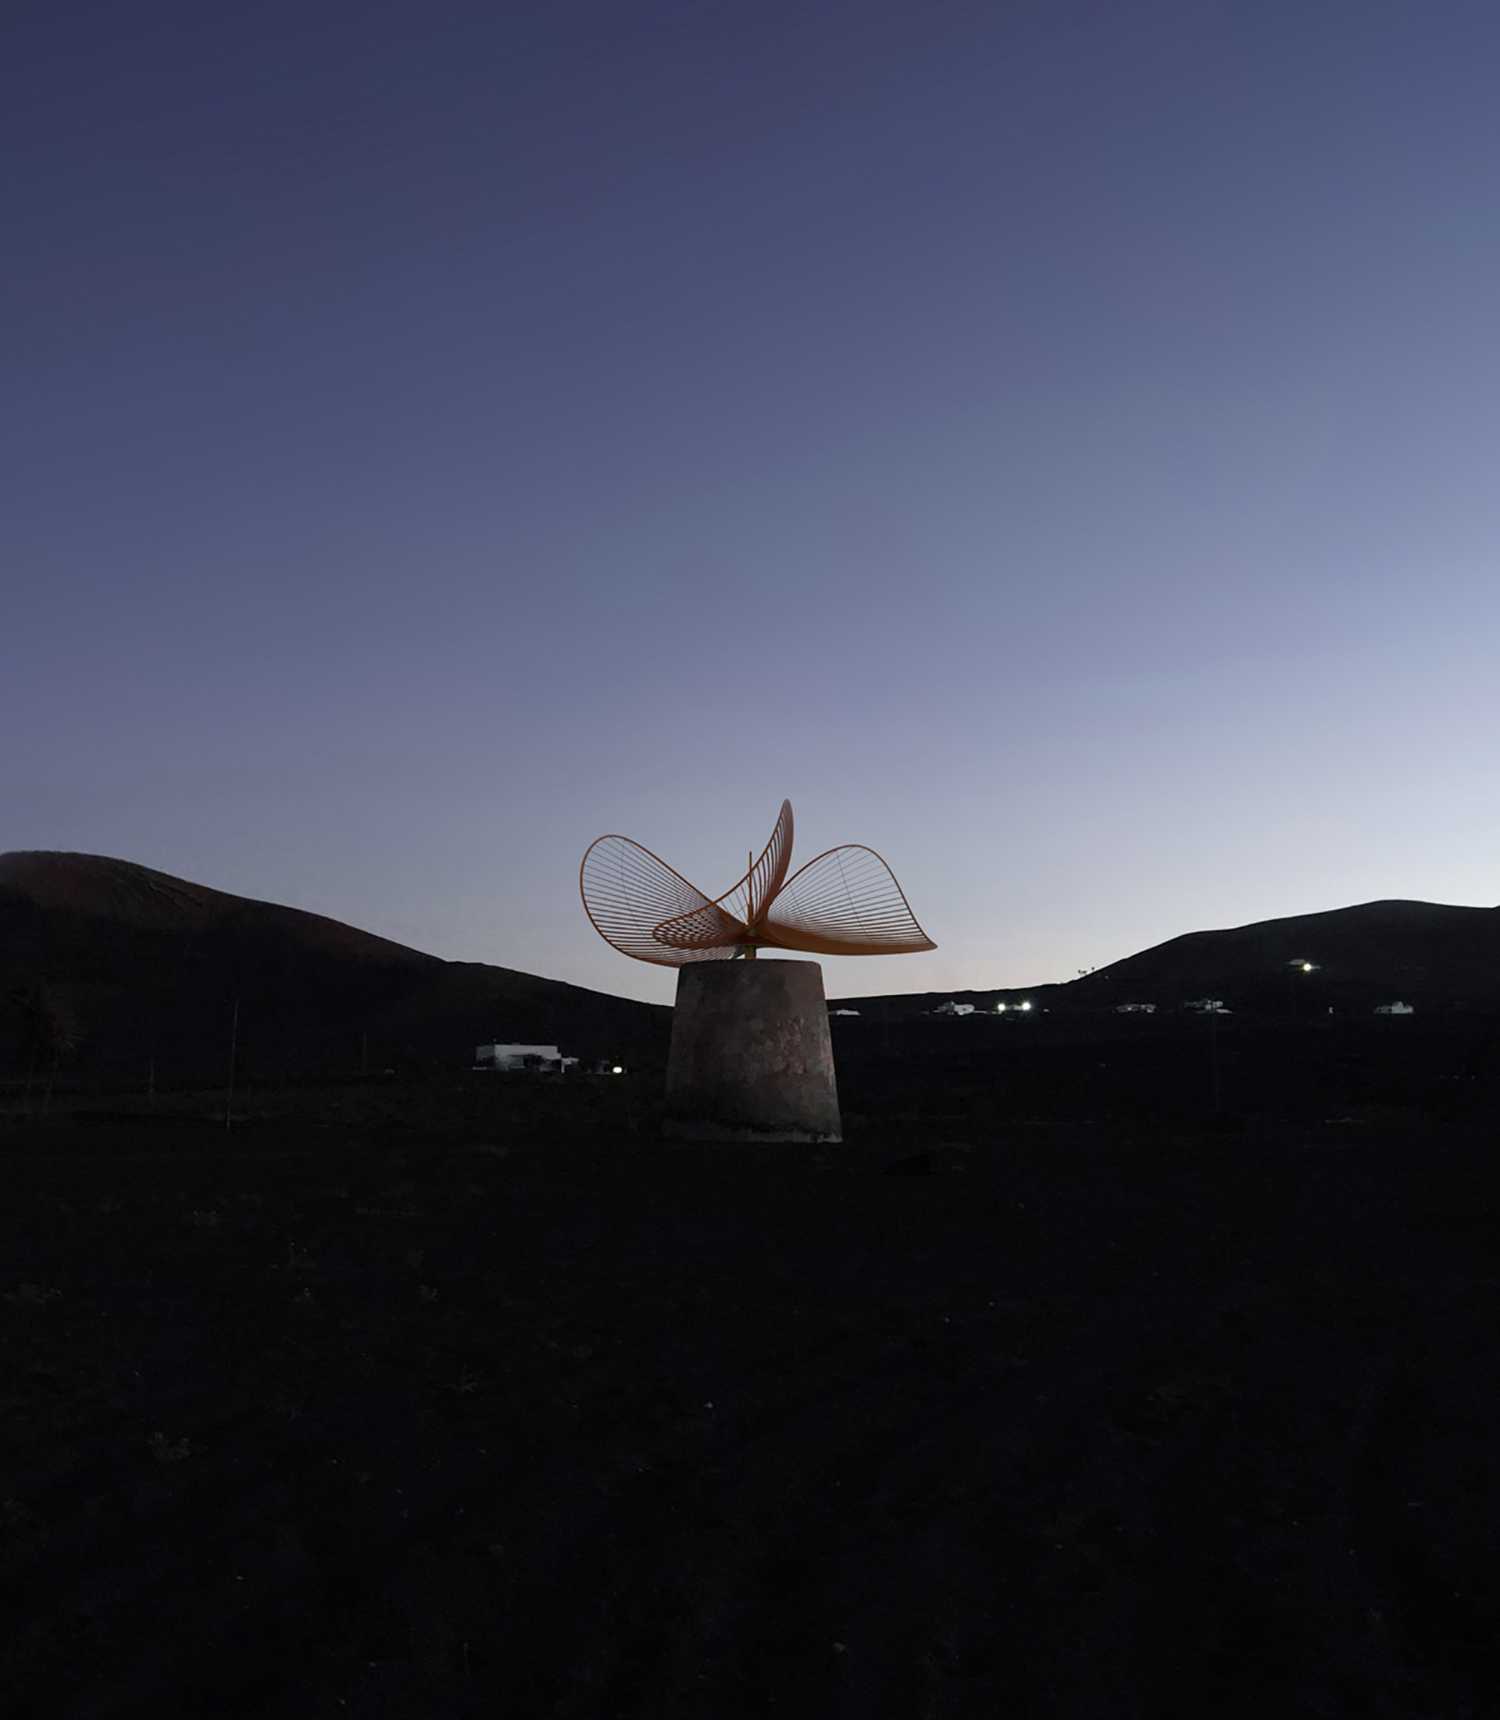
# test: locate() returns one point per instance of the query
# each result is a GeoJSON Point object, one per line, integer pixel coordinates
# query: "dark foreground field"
{"type": "Point", "coordinates": [486, 1403]}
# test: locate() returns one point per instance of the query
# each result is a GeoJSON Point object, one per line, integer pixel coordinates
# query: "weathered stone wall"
{"type": "Point", "coordinates": [751, 1056]}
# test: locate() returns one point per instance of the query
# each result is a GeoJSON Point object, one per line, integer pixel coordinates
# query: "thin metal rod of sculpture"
{"type": "Point", "coordinates": [845, 902]}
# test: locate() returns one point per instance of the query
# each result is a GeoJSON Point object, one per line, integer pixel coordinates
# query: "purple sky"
{"type": "Point", "coordinates": [1053, 444]}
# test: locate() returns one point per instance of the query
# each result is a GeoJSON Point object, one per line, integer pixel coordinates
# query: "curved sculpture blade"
{"type": "Point", "coordinates": [701, 929]}
{"type": "Point", "coordinates": [646, 910]}
{"type": "Point", "coordinates": [748, 899]}
{"type": "Point", "coordinates": [846, 902]}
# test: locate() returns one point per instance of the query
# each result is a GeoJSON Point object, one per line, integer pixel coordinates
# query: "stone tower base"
{"type": "Point", "coordinates": [751, 1056]}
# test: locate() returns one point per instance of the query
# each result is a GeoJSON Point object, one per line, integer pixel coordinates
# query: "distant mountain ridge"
{"type": "Point", "coordinates": [147, 968]}
{"type": "Point", "coordinates": [1433, 951]}
{"type": "Point", "coordinates": [1430, 954]}
{"type": "Point", "coordinates": [136, 896]}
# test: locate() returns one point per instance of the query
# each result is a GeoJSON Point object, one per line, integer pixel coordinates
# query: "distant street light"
{"type": "Point", "coordinates": [1296, 967]}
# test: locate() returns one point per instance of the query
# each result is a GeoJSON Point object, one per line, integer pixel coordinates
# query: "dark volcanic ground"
{"type": "Point", "coordinates": [478, 1400]}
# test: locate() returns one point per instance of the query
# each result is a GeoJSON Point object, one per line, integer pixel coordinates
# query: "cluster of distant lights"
{"type": "Point", "coordinates": [1025, 1005]}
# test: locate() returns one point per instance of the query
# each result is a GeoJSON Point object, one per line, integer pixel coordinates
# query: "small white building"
{"type": "Point", "coordinates": [952, 1008]}
{"type": "Point", "coordinates": [1137, 1008]}
{"type": "Point", "coordinates": [1395, 1009]}
{"type": "Point", "coordinates": [843, 1012]}
{"type": "Point", "coordinates": [1207, 1006]}
{"type": "Point", "coordinates": [519, 1059]}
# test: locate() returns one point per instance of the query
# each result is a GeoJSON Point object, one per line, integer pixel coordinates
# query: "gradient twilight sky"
{"type": "Point", "coordinates": [1054, 444]}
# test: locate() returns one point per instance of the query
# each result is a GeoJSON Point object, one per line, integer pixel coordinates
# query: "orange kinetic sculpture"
{"type": "Point", "coordinates": [846, 902]}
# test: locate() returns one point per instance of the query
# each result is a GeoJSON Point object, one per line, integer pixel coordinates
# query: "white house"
{"type": "Point", "coordinates": [533, 1059]}
{"type": "Point", "coordinates": [1207, 1006]}
{"type": "Point", "coordinates": [843, 1012]}
{"type": "Point", "coordinates": [952, 1008]}
{"type": "Point", "coordinates": [1137, 1008]}
{"type": "Point", "coordinates": [1394, 1009]}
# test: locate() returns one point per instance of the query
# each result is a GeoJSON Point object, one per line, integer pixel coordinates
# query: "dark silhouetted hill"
{"type": "Point", "coordinates": [1428, 954]}
{"type": "Point", "coordinates": [144, 966]}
